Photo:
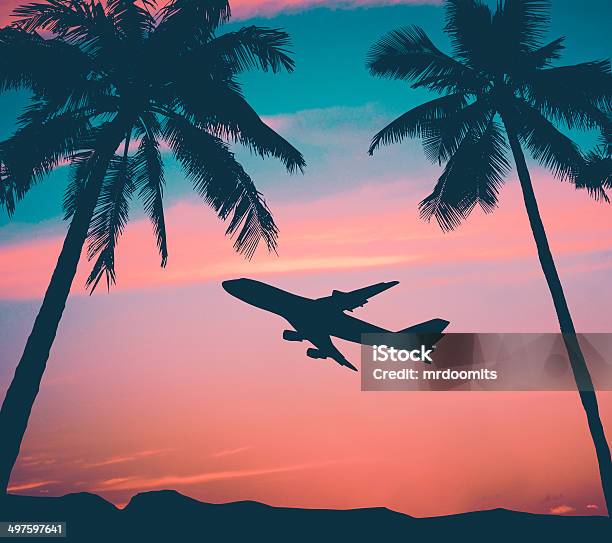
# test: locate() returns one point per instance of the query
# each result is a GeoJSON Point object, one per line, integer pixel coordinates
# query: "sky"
{"type": "Point", "coordinates": [168, 382]}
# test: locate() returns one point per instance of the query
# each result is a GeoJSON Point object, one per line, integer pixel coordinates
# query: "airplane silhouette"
{"type": "Point", "coordinates": [315, 320]}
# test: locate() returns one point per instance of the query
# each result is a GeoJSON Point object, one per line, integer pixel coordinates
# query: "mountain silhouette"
{"type": "Point", "coordinates": [168, 516]}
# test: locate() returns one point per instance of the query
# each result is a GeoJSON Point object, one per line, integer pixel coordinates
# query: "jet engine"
{"type": "Point", "coordinates": [292, 335]}
{"type": "Point", "coordinates": [315, 353]}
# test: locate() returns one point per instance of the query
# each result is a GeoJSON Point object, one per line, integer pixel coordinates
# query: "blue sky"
{"type": "Point", "coordinates": [330, 46]}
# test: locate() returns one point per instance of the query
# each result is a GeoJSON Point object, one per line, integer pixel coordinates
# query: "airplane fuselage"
{"type": "Point", "coordinates": [302, 313]}
{"type": "Point", "coordinates": [317, 320]}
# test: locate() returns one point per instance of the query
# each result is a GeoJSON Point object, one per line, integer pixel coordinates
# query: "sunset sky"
{"type": "Point", "coordinates": [168, 382]}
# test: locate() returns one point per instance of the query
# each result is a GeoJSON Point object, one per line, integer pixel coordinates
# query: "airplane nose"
{"type": "Point", "coordinates": [235, 287]}
{"type": "Point", "coordinates": [229, 285]}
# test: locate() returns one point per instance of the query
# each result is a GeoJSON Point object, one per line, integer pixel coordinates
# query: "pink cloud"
{"type": "Point", "coordinates": [230, 452]}
{"type": "Point", "coordinates": [29, 486]}
{"type": "Point", "coordinates": [128, 458]}
{"type": "Point", "coordinates": [246, 9]}
{"type": "Point", "coordinates": [170, 481]}
{"type": "Point", "coordinates": [32, 461]}
{"type": "Point", "coordinates": [562, 510]}
{"type": "Point", "coordinates": [337, 233]}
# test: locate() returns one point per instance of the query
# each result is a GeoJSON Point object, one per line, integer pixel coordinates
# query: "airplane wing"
{"type": "Point", "coordinates": [347, 301]}
{"type": "Point", "coordinates": [326, 349]}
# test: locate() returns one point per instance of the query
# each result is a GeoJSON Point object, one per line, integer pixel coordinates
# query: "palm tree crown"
{"type": "Point", "coordinates": [127, 74]}
{"type": "Point", "coordinates": [500, 69]}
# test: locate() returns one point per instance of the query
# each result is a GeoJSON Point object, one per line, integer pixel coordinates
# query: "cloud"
{"type": "Point", "coordinates": [36, 460]}
{"type": "Point", "coordinates": [329, 263]}
{"type": "Point", "coordinates": [230, 452]}
{"type": "Point", "coordinates": [171, 481]}
{"type": "Point", "coordinates": [306, 245]}
{"type": "Point", "coordinates": [246, 9]}
{"type": "Point", "coordinates": [336, 232]}
{"type": "Point", "coordinates": [562, 509]}
{"type": "Point", "coordinates": [29, 486]}
{"type": "Point", "coordinates": [128, 458]}
{"type": "Point", "coordinates": [332, 126]}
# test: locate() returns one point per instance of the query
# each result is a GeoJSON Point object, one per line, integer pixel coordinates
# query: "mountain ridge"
{"type": "Point", "coordinates": [168, 515]}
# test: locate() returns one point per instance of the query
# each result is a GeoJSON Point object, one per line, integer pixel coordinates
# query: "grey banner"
{"type": "Point", "coordinates": [486, 362]}
{"type": "Point", "coordinates": [38, 529]}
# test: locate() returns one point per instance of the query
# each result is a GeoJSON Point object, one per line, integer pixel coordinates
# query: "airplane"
{"type": "Point", "coordinates": [315, 320]}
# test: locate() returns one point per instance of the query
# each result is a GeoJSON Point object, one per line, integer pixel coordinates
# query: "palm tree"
{"type": "Point", "coordinates": [499, 84]}
{"type": "Point", "coordinates": [111, 81]}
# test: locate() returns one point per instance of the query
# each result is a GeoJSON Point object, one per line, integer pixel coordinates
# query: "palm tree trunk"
{"type": "Point", "coordinates": [576, 358]}
{"type": "Point", "coordinates": [24, 387]}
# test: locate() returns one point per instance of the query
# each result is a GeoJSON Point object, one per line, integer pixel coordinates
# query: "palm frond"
{"type": "Point", "coordinates": [596, 173]}
{"type": "Point", "coordinates": [605, 138]}
{"type": "Point", "coordinates": [542, 57]}
{"type": "Point", "coordinates": [80, 169]}
{"type": "Point", "coordinates": [472, 176]}
{"type": "Point", "coordinates": [132, 19]}
{"type": "Point", "coordinates": [7, 190]}
{"type": "Point", "coordinates": [407, 53]}
{"type": "Point", "coordinates": [39, 146]}
{"type": "Point", "coordinates": [223, 184]}
{"type": "Point", "coordinates": [252, 47]}
{"type": "Point", "coordinates": [109, 220]}
{"type": "Point", "coordinates": [574, 95]}
{"type": "Point", "coordinates": [76, 22]}
{"type": "Point", "coordinates": [90, 162]}
{"type": "Point", "coordinates": [522, 23]}
{"type": "Point", "coordinates": [442, 136]}
{"type": "Point", "coordinates": [415, 122]}
{"type": "Point", "coordinates": [56, 16]}
{"type": "Point", "coordinates": [191, 21]}
{"type": "Point", "coordinates": [58, 73]}
{"type": "Point", "coordinates": [227, 114]}
{"type": "Point", "coordinates": [551, 148]}
{"type": "Point", "coordinates": [469, 26]}
{"type": "Point", "coordinates": [149, 181]}
{"type": "Point", "coordinates": [43, 65]}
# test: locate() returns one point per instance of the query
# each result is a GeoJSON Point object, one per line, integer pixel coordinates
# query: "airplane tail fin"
{"type": "Point", "coordinates": [433, 326]}
{"type": "Point", "coordinates": [428, 332]}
